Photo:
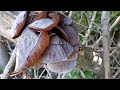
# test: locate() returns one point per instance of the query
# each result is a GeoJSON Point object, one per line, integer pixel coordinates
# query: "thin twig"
{"type": "Point", "coordinates": [82, 74]}
{"type": "Point", "coordinates": [92, 21]}
{"type": "Point", "coordinates": [81, 17]}
{"type": "Point", "coordinates": [115, 23]}
{"type": "Point", "coordinates": [115, 67]}
{"type": "Point", "coordinates": [110, 29]}
{"type": "Point", "coordinates": [41, 74]}
{"type": "Point", "coordinates": [9, 66]}
{"type": "Point", "coordinates": [48, 71]}
{"type": "Point", "coordinates": [35, 73]}
{"type": "Point", "coordinates": [70, 14]}
{"type": "Point", "coordinates": [113, 52]}
{"type": "Point", "coordinates": [90, 27]}
{"type": "Point", "coordinates": [87, 17]}
{"type": "Point", "coordinates": [59, 76]}
{"type": "Point", "coordinates": [115, 75]}
{"type": "Point", "coordinates": [112, 37]}
{"type": "Point", "coordinates": [86, 27]}
{"type": "Point", "coordinates": [116, 60]}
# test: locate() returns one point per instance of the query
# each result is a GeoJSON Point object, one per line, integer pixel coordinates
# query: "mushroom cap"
{"type": "Point", "coordinates": [58, 50]}
{"type": "Point", "coordinates": [18, 24]}
{"type": "Point", "coordinates": [61, 67]}
{"type": "Point", "coordinates": [41, 24]}
{"type": "Point", "coordinates": [27, 41]}
{"type": "Point", "coordinates": [29, 49]}
{"type": "Point", "coordinates": [72, 34]}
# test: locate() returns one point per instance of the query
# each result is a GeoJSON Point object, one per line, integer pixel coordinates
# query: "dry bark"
{"type": "Point", "coordinates": [106, 53]}
{"type": "Point", "coordinates": [9, 66]}
{"type": "Point", "coordinates": [4, 57]}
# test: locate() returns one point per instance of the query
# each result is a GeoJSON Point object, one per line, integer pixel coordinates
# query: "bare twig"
{"type": "Point", "coordinates": [70, 13]}
{"type": "Point", "coordinates": [115, 75]}
{"type": "Point", "coordinates": [116, 60]}
{"type": "Point", "coordinates": [99, 27]}
{"type": "Point", "coordinates": [27, 75]}
{"type": "Point", "coordinates": [110, 29]}
{"type": "Point", "coordinates": [41, 74]}
{"type": "Point", "coordinates": [115, 67]}
{"type": "Point", "coordinates": [86, 27]}
{"type": "Point", "coordinates": [115, 23]}
{"type": "Point", "coordinates": [59, 76]}
{"type": "Point", "coordinates": [9, 66]}
{"type": "Point", "coordinates": [113, 52]}
{"type": "Point", "coordinates": [105, 29]}
{"type": "Point", "coordinates": [48, 71]}
{"type": "Point", "coordinates": [87, 17]}
{"type": "Point", "coordinates": [90, 26]}
{"type": "Point", "coordinates": [112, 37]}
{"type": "Point", "coordinates": [82, 74]}
{"type": "Point", "coordinates": [81, 17]}
{"type": "Point", "coordinates": [35, 73]}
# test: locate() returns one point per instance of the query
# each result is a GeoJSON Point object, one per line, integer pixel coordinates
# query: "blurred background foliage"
{"type": "Point", "coordinates": [81, 18]}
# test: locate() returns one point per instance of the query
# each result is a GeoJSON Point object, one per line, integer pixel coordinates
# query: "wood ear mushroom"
{"type": "Point", "coordinates": [31, 46]}
{"type": "Point", "coordinates": [40, 15]}
{"type": "Point", "coordinates": [45, 24]}
{"type": "Point", "coordinates": [19, 24]}
{"type": "Point", "coordinates": [29, 49]}
{"type": "Point", "coordinates": [36, 46]}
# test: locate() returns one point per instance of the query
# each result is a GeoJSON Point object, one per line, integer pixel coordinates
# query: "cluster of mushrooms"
{"type": "Point", "coordinates": [45, 37]}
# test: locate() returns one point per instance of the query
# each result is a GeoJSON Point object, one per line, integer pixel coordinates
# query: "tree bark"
{"type": "Point", "coordinates": [6, 22]}
{"type": "Point", "coordinates": [9, 66]}
{"type": "Point", "coordinates": [4, 57]}
{"type": "Point", "coordinates": [105, 18]}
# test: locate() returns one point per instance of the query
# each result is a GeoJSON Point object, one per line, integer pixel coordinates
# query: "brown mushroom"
{"type": "Point", "coordinates": [29, 49]}
{"type": "Point", "coordinates": [19, 24]}
{"type": "Point", "coordinates": [45, 24]}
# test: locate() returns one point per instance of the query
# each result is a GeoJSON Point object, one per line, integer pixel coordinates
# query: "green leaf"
{"type": "Point", "coordinates": [74, 74]}
{"type": "Point", "coordinates": [82, 37]}
{"type": "Point", "coordinates": [88, 74]}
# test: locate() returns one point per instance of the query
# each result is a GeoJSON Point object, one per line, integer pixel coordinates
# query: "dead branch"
{"type": "Point", "coordinates": [90, 27]}
{"type": "Point", "coordinates": [4, 57]}
{"type": "Point", "coordinates": [105, 29]}
{"type": "Point", "coordinates": [116, 74]}
{"type": "Point", "coordinates": [117, 21]}
{"type": "Point", "coordinates": [81, 17]}
{"type": "Point", "coordinates": [6, 22]}
{"type": "Point", "coordinates": [110, 29]}
{"type": "Point", "coordinates": [9, 66]}
{"type": "Point", "coordinates": [70, 13]}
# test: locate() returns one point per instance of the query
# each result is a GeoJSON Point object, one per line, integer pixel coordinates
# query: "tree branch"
{"type": "Point", "coordinates": [9, 66]}
{"type": "Point", "coordinates": [110, 29]}
{"type": "Point", "coordinates": [6, 22]}
{"type": "Point", "coordinates": [4, 57]}
{"type": "Point", "coordinates": [90, 26]}
{"type": "Point", "coordinates": [105, 18]}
